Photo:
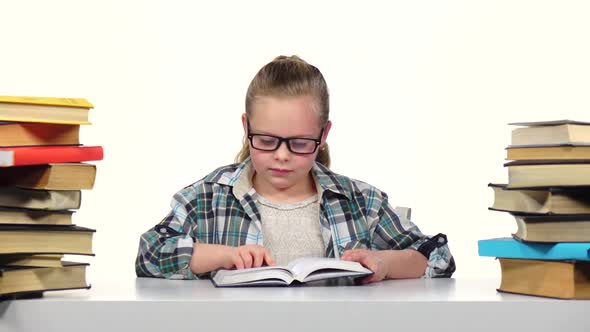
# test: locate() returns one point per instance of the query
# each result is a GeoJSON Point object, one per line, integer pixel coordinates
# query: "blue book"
{"type": "Point", "coordinates": [511, 248]}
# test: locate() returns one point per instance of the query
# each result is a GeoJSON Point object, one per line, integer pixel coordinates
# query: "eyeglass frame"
{"type": "Point", "coordinates": [317, 141]}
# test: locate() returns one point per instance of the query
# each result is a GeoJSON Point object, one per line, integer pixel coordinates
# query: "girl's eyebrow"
{"type": "Point", "coordinates": [264, 132]}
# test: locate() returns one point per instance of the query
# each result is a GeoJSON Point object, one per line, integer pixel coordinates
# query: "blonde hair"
{"type": "Point", "coordinates": [289, 77]}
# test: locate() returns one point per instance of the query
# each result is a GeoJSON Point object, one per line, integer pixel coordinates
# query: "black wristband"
{"type": "Point", "coordinates": [434, 242]}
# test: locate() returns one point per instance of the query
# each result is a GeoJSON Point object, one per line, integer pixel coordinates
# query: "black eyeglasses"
{"type": "Point", "coordinates": [296, 145]}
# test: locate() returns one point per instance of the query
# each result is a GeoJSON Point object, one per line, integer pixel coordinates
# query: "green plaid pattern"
{"type": "Point", "coordinates": [353, 215]}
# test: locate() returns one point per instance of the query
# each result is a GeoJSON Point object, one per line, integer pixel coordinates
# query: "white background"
{"type": "Point", "coordinates": [421, 94]}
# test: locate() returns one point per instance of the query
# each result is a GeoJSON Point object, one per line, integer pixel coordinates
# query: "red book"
{"type": "Point", "coordinates": [39, 155]}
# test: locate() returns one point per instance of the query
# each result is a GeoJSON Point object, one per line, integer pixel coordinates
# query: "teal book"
{"type": "Point", "coordinates": [511, 248]}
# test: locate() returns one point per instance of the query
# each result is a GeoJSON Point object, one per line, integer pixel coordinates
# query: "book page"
{"type": "Point", "coordinates": [317, 268]}
{"type": "Point", "coordinates": [266, 275]}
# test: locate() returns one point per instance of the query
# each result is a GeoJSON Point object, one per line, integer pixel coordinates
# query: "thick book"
{"type": "Point", "coordinates": [54, 239]}
{"type": "Point", "coordinates": [35, 217]}
{"type": "Point", "coordinates": [556, 279]}
{"type": "Point", "coordinates": [553, 227]}
{"type": "Point", "coordinates": [39, 155]}
{"type": "Point", "coordinates": [44, 109]}
{"type": "Point", "coordinates": [14, 197]}
{"type": "Point", "coordinates": [61, 176]}
{"type": "Point", "coordinates": [548, 152]}
{"type": "Point", "coordinates": [301, 270]}
{"type": "Point", "coordinates": [551, 132]}
{"type": "Point", "coordinates": [16, 280]}
{"type": "Point", "coordinates": [28, 133]}
{"type": "Point", "coordinates": [548, 173]}
{"type": "Point", "coordinates": [507, 247]}
{"type": "Point", "coordinates": [574, 200]}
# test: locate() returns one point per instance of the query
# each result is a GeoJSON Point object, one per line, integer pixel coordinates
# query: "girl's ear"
{"type": "Point", "coordinates": [326, 131]}
{"type": "Point", "coordinates": [244, 123]}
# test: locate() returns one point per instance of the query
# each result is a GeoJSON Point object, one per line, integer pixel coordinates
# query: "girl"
{"type": "Point", "coordinates": [280, 201]}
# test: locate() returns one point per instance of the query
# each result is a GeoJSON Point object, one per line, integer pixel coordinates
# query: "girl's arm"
{"type": "Point", "coordinates": [389, 264]}
{"type": "Point", "coordinates": [395, 243]}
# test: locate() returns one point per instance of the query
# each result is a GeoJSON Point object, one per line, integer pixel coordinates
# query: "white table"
{"type": "Point", "coordinates": [396, 305]}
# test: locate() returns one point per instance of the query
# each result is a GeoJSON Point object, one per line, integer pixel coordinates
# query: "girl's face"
{"type": "Point", "coordinates": [284, 117]}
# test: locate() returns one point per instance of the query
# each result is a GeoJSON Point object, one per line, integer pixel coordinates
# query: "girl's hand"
{"type": "Point", "coordinates": [370, 259]}
{"type": "Point", "coordinates": [247, 256]}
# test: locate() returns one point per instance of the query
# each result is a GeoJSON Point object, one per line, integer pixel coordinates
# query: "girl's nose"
{"type": "Point", "coordinates": [282, 153]}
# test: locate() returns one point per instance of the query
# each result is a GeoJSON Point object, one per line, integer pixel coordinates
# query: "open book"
{"type": "Point", "coordinates": [301, 270]}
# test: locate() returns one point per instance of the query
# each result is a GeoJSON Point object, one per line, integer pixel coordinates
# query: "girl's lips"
{"type": "Point", "coordinates": [279, 171]}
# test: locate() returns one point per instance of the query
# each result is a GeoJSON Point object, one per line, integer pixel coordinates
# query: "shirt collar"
{"type": "Point", "coordinates": [241, 180]}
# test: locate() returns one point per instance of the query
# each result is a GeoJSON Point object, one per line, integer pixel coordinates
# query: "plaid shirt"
{"type": "Point", "coordinates": [216, 210]}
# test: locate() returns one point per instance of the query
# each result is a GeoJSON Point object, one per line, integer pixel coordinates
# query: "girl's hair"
{"type": "Point", "coordinates": [289, 77]}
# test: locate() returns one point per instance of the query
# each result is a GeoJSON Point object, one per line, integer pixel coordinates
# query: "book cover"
{"type": "Point", "coordinates": [38, 155]}
{"type": "Point", "coordinates": [51, 101]}
{"type": "Point", "coordinates": [548, 123]}
{"type": "Point", "coordinates": [548, 162]}
{"type": "Point", "coordinates": [302, 270]}
{"type": "Point", "coordinates": [510, 248]}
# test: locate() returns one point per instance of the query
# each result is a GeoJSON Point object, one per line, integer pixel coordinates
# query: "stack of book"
{"type": "Point", "coordinates": [548, 193]}
{"type": "Point", "coordinates": [41, 177]}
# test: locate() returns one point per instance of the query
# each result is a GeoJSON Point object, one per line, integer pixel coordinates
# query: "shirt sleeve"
{"type": "Point", "coordinates": [165, 250]}
{"type": "Point", "coordinates": [393, 231]}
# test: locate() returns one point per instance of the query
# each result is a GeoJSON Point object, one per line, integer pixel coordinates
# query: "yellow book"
{"type": "Point", "coordinates": [44, 109]}
{"type": "Point", "coordinates": [51, 101]}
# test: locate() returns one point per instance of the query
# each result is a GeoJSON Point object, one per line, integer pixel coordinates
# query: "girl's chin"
{"type": "Point", "coordinates": [280, 183]}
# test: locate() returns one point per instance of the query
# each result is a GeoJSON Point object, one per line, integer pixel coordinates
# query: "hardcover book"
{"type": "Point", "coordinates": [548, 173]}
{"type": "Point", "coordinates": [558, 279]}
{"type": "Point", "coordinates": [39, 155]}
{"type": "Point", "coordinates": [44, 109]}
{"type": "Point", "coordinates": [510, 248]}
{"type": "Point", "coordinates": [14, 197]}
{"type": "Point", "coordinates": [551, 132]}
{"type": "Point", "coordinates": [553, 228]}
{"type": "Point", "coordinates": [54, 239]}
{"type": "Point", "coordinates": [17, 280]}
{"type": "Point", "coordinates": [23, 134]}
{"type": "Point", "coordinates": [35, 217]}
{"type": "Point", "coordinates": [553, 200]}
{"type": "Point", "coordinates": [301, 270]}
{"type": "Point", "coordinates": [63, 176]}
{"type": "Point", "coordinates": [548, 152]}
{"type": "Point", "coordinates": [31, 260]}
